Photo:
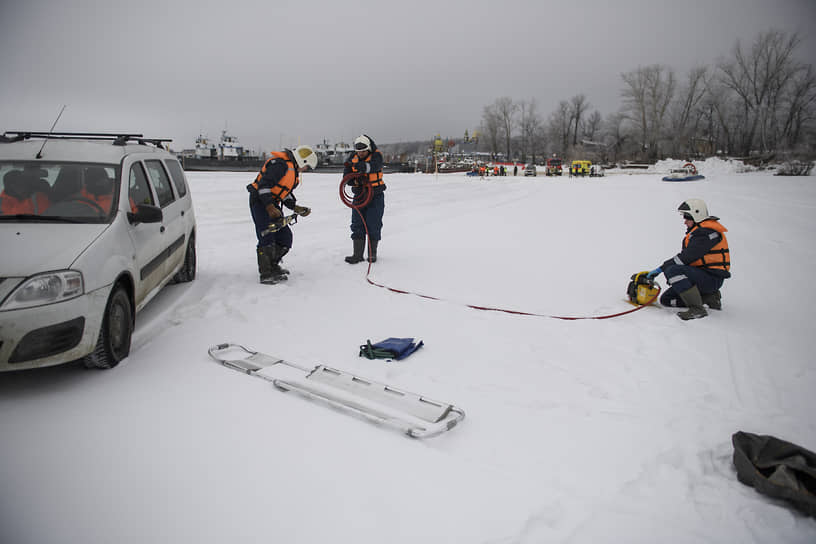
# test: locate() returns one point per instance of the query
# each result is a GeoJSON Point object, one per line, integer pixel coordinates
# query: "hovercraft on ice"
{"type": "Point", "coordinates": [687, 173]}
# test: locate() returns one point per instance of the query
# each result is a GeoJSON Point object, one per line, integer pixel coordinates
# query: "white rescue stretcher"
{"type": "Point", "coordinates": [415, 415]}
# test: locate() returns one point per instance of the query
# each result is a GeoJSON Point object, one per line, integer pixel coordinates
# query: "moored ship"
{"type": "Point", "coordinates": [228, 154]}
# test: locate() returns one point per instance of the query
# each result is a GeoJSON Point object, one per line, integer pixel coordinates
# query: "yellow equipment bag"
{"type": "Point", "coordinates": [642, 289]}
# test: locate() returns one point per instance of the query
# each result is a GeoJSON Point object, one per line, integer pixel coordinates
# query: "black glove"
{"type": "Point", "coordinates": [362, 167]}
{"type": "Point", "coordinates": [302, 211]}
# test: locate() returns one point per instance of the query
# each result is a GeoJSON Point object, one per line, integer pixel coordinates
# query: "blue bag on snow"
{"type": "Point", "coordinates": [390, 348]}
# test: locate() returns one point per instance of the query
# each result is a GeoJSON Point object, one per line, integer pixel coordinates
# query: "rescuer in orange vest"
{"type": "Point", "coordinates": [273, 187]}
{"type": "Point", "coordinates": [366, 159]}
{"type": "Point", "coordinates": [23, 194]}
{"type": "Point", "coordinates": [696, 274]}
{"type": "Point", "coordinates": [98, 187]}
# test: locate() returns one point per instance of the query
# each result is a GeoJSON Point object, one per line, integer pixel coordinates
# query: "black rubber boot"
{"type": "Point", "coordinates": [372, 251]}
{"type": "Point", "coordinates": [359, 247]}
{"type": "Point", "coordinates": [713, 300]}
{"type": "Point", "coordinates": [264, 265]}
{"type": "Point", "coordinates": [280, 251]}
{"type": "Point", "coordinates": [268, 264]}
{"type": "Point", "coordinates": [694, 303]}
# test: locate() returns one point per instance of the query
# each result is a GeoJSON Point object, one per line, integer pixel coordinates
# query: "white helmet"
{"type": "Point", "coordinates": [305, 156]}
{"type": "Point", "coordinates": [695, 207]}
{"type": "Point", "coordinates": [362, 143]}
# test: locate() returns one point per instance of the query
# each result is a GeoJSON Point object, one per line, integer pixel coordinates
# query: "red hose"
{"type": "Point", "coordinates": [348, 198]}
{"type": "Point", "coordinates": [518, 312]}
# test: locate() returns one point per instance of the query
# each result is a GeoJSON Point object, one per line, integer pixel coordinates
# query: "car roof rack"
{"type": "Point", "coordinates": [118, 138]}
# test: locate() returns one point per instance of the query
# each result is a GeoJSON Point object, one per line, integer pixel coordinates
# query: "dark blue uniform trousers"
{"type": "Point", "coordinates": [372, 214]}
{"type": "Point", "coordinates": [283, 237]}
{"type": "Point", "coordinates": [682, 278]}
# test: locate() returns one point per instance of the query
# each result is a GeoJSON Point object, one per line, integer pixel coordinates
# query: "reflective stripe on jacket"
{"type": "Point", "coordinates": [374, 178]}
{"type": "Point", "coordinates": [718, 256]}
{"type": "Point", "coordinates": [278, 189]}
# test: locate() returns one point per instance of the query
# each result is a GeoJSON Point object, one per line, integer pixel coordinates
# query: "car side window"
{"type": "Point", "coordinates": [177, 175]}
{"type": "Point", "coordinates": [160, 182]}
{"type": "Point", "coordinates": [138, 187]}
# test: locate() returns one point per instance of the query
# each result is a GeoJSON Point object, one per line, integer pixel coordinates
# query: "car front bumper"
{"type": "Point", "coordinates": [52, 334]}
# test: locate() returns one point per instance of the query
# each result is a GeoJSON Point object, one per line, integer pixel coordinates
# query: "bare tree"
{"type": "Point", "coordinates": [531, 125]}
{"type": "Point", "coordinates": [578, 105]}
{"type": "Point", "coordinates": [758, 78]}
{"type": "Point", "coordinates": [506, 110]}
{"type": "Point", "coordinates": [592, 126]}
{"type": "Point", "coordinates": [491, 125]}
{"type": "Point", "coordinates": [559, 127]}
{"type": "Point", "coordinates": [687, 111]}
{"type": "Point", "coordinates": [800, 107]}
{"type": "Point", "coordinates": [614, 134]}
{"type": "Point", "coordinates": [647, 95]}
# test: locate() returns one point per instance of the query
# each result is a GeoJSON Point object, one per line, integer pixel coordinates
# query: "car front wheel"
{"type": "Point", "coordinates": [113, 344]}
{"type": "Point", "coordinates": [188, 268]}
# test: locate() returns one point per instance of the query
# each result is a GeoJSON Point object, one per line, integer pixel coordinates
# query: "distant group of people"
{"type": "Point", "coordinates": [26, 191]}
{"type": "Point", "coordinates": [497, 170]}
{"type": "Point", "coordinates": [274, 188]}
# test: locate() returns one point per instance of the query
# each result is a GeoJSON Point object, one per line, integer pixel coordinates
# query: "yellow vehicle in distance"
{"type": "Point", "coordinates": [580, 168]}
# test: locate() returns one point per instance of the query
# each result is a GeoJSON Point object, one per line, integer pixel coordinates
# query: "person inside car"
{"type": "Point", "coordinates": [23, 194]}
{"type": "Point", "coordinates": [98, 187]}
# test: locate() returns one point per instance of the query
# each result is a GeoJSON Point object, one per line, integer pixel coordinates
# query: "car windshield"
{"type": "Point", "coordinates": [35, 191]}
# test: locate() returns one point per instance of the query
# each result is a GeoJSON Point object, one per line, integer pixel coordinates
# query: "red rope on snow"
{"type": "Point", "coordinates": [349, 200]}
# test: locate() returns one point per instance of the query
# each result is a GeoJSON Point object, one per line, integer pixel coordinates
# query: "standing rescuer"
{"type": "Point", "coordinates": [366, 160]}
{"type": "Point", "coordinates": [273, 186]}
{"type": "Point", "coordinates": [696, 274]}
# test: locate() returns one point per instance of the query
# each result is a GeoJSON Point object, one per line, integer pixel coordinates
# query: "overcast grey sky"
{"type": "Point", "coordinates": [279, 72]}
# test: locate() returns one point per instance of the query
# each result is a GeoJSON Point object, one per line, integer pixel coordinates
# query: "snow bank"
{"type": "Point", "coordinates": [710, 166]}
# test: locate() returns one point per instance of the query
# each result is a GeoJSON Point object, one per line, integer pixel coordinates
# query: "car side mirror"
{"type": "Point", "coordinates": [145, 213]}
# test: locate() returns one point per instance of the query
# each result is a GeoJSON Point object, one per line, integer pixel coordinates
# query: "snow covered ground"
{"type": "Point", "coordinates": [577, 431]}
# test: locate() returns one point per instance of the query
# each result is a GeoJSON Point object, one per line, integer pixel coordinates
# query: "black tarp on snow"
{"type": "Point", "coordinates": [777, 468]}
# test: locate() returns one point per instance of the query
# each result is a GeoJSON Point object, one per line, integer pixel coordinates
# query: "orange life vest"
{"type": "Point", "coordinates": [35, 204]}
{"type": "Point", "coordinates": [719, 256]}
{"type": "Point", "coordinates": [283, 186]}
{"type": "Point", "coordinates": [374, 178]}
{"type": "Point", "coordinates": [104, 201]}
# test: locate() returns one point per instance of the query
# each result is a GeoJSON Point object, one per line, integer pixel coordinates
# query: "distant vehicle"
{"type": "Point", "coordinates": [580, 168]}
{"type": "Point", "coordinates": [530, 170]}
{"type": "Point", "coordinates": [687, 173]}
{"type": "Point", "coordinates": [596, 171]}
{"type": "Point", "coordinates": [553, 167]}
{"type": "Point", "coordinates": [97, 224]}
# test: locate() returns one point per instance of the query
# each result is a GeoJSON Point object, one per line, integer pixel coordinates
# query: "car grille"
{"type": "Point", "coordinates": [49, 341]}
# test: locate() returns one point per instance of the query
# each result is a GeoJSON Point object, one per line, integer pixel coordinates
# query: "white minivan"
{"type": "Point", "coordinates": [92, 226]}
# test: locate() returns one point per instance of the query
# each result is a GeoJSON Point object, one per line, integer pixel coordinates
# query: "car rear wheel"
{"type": "Point", "coordinates": [188, 268]}
{"type": "Point", "coordinates": [113, 344]}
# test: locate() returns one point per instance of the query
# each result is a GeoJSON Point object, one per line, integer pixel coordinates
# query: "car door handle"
{"type": "Point", "coordinates": [161, 229]}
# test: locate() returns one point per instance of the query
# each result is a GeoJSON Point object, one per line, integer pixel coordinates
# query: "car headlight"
{"type": "Point", "coordinates": [46, 288]}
